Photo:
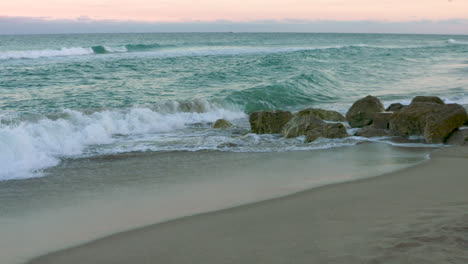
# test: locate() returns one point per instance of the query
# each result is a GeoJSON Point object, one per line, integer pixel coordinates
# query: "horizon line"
{"type": "Point", "coordinates": [235, 32]}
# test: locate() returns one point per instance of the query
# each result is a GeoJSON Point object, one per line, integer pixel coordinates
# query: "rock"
{"type": "Point", "coordinates": [269, 122]}
{"type": "Point", "coordinates": [362, 112]}
{"type": "Point", "coordinates": [433, 121]}
{"type": "Point", "coordinates": [412, 119]}
{"type": "Point", "coordinates": [313, 128]}
{"type": "Point", "coordinates": [371, 131]}
{"type": "Point", "coordinates": [329, 130]}
{"type": "Point", "coordinates": [323, 114]}
{"type": "Point", "coordinates": [427, 99]}
{"type": "Point", "coordinates": [382, 120]}
{"type": "Point", "coordinates": [394, 107]}
{"type": "Point", "coordinates": [458, 137]}
{"type": "Point", "coordinates": [221, 123]}
{"type": "Point", "coordinates": [312, 136]}
{"type": "Point", "coordinates": [228, 145]}
{"type": "Point", "coordinates": [334, 130]}
{"type": "Point", "coordinates": [239, 131]}
{"type": "Point", "coordinates": [301, 124]}
{"type": "Point", "coordinates": [440, 125]}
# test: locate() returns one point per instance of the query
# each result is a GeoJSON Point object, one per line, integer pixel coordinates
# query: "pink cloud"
{"type": "Point", "coordinates": [238, 10]}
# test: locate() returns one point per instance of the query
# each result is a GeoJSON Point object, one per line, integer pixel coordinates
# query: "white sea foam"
{"type": "Point", "coordinates": [187, 50]}
{"type": "Point", "coordinates": [34, 54]}
{"type": "Point", "coordinates": [453, 41]}
{"type": "Point", "coordinates": [117, 49]}
{"type": "Point", "coordinates": [29, 147]}
{"type": "Point", "coordinates": [62, 52]}
{"type": "Point", "coordinates": [461, 99]}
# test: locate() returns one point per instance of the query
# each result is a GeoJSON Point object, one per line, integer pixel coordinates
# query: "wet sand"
{"type": "Point", "coordinates": [416, 215]}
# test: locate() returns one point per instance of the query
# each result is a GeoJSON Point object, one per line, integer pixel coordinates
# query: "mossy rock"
{"type": "Point", "coordinates": [322, 114]}
{"type": "Point", "coordinates": [269, 122]}
{"type": "Point", "coordinates": [362, 112]}
{"type": "Point", "coordinates": [222, 124]}
{"type": "Point", "coordinates": [433, 121]}
{"type": "Point", "coordinates": [427, 99]}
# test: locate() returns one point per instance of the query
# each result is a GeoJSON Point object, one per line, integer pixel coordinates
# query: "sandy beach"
{"type": "Point", "coordinates": [415, 215]}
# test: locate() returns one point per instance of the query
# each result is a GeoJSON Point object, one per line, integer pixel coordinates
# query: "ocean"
{"type": "Point", "coordinates": [72, 96]}
{"type": "Point", "coordinates": [101, 129]}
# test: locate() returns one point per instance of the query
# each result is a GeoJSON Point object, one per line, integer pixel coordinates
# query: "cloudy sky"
{"type": "Point", "coordinates": [416, 16]}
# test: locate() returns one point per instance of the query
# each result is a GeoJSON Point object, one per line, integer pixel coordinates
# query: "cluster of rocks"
{"type": "Point", "coordinates": [426, 116]}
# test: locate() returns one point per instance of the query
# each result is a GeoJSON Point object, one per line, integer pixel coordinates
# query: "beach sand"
{"type": "Point", "coordinates": [415, 215]}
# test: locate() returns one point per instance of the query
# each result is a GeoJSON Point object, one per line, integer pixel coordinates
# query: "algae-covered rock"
{"type": "Point", "coordinates": [394, 107]}
{"type": "Point", "coordinates": [458, 137]}
{"type": "Point", "coordinates": [228, 145]}
{"type": "Point", "coordinates": [269, 122]}
{"type": "Point", "coordinates": [299, 125]}
{"type": "Point", "coordinates": [431, 120]}
{"type": "Point", "coordinates": [222, 123]}
{"type": "Point", "coordinates": [427, 99]}
{"type": "Point", "coordinates": [412, 119]}
{"type": "Point", "coordinates": [322, 114]}
{"type": "Point", "coordinates": [441, 124]}
{"type": "Point", "coordinates": [334, 130]}
{"type": "Point", "coordinates": [382, 120]}
{"type": "Point", "coordinates": [362, 112]}
{"type": "Point", "coordinates": [313, 128]}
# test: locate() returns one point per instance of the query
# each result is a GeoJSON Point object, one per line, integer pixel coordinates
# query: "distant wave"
{"type": "Point", "coordinates": [76, 51]}
{"type": "Point", "coordinates": [453, 41]}
{"type": "Point", "coordinates": [34, 54]}
{"type": "Point", "coordinates": [126, 48]}
{"type": "Point", "coordinates": [187, 50]}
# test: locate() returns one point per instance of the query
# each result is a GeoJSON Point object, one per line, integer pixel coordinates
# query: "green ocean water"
{"type": "Point", "coordinates": [68, 96]}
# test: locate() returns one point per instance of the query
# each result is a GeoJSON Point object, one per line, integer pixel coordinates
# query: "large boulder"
{"type": "Point", "coordinates": [458, 137]}
{"type": "Point", "coordinates": [427, 99]}
{"type": "Point", "coordinates": [222, 124]}
{"type": "Point", "coordinates": [394, 107]}
{"type": "Point", "coordinates": [301, 124]}
{"type": "Point", "coordinates": [433, 121]}
{"type": "Point", "coordinates": [362, 111]}
{"type": "Point", "coordinates": [322, 114]}
{"type": "Point", "coordinates": [333, 130]}
{"type": "Point", "coordinates": [440, 125]}
{"type": "Point", "coordinates": [312, 127]}
{"type": "Point", "coordinates": [382, 120]}
{"type": "Point", "coordinates": [371, 131]}
{"type": "Point", "coordinates": [329, 130]}
{"type": "Point", "coordinates": [269, 122]}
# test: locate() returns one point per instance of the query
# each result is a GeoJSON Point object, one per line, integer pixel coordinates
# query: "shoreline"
{"type": "Point", "coordinates": [244, 234]}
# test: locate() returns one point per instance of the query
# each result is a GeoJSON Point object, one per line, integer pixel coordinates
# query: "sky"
{"type": "Point", "coordinates": [60, 16]}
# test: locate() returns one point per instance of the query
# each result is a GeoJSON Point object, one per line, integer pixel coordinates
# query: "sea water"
{"type": "Point", "coordinates": [101, 133]}
{"type": "Point", "coordinates": [81, 95]}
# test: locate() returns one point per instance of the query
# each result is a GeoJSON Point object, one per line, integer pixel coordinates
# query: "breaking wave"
{"type": "Point", "coordinates": [453, 41]}
{"type": "Point", "coordinates": [76, 51]}
{"type": "Point", "coordinates": [189, 50]}
{"type": "Point", "coordinates": [34, 54]}
{"type": "Point", "coordinates": [26, 147]}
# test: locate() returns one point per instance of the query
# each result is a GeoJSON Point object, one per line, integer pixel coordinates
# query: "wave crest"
{"type": "Point", "coordinates": [34, 54]}
{"type": "Point", "coordinates": [76, 51]}
{"type": "Point", "coordinates": [27, 147]}
{"type": "Point", "coordinates": [194, 50]}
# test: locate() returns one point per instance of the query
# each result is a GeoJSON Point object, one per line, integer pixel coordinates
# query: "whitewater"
{"type": "Point", "coordinates": [66, 97]}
